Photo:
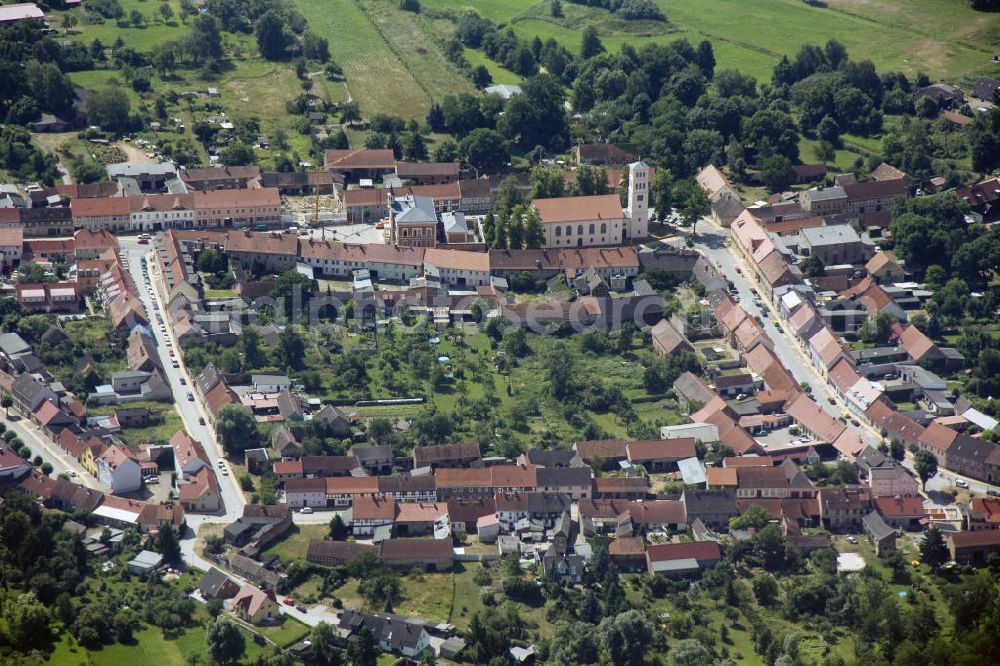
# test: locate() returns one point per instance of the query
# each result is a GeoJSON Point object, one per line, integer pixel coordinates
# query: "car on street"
{"type": "Point", "coordinates": [993, 493]}
{"type": "Point", "coordinates": [306, 509]}
{"type": "Point", "coordinates": [175, 364]}
{"type": "Point", "coordinates": [961, 483]}
{"type": "Point", "coordinates": [289, 601]}
{"type": "Point", "coordinates": [183, 382]}
{"type": "Point", "coordinates": [302, 609]}
{"type": "Point", "coordinates": [831, 401]}
{"type": "Point", "coordinates": [220, 462]}
{"type": "Point", "coordinates": [201, 420]}
{"type": "Point", "coordinates": [225, 471]}
{"type": "Point", "coordinates": [190, 396]}
{"type": "Point", "coordinates": [71, 473]}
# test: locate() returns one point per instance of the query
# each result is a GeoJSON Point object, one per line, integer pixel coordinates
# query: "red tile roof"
{"type": "Point", "coordinates": [703, 551]}
{"type": "Point", "coordinates": [579, 209]}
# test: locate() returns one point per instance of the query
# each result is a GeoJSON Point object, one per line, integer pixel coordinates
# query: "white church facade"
{"type": "Point", "coordinates": [599, 220]}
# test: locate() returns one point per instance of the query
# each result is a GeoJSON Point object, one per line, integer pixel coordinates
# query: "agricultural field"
{"type": "Point", "coordinates": [943, 38]}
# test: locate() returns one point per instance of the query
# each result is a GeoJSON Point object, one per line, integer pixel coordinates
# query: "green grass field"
{"type": "Point", "coordinates": [944, 38]}
{"type": "Point", "coordinates": [376, 77]}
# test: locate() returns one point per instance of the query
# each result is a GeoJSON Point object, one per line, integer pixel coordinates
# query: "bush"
{"type": "Point", "coordinates": [640, 10]}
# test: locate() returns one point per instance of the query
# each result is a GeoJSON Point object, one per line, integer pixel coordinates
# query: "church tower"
{"type": "Point", "coordinates": [638, 200]}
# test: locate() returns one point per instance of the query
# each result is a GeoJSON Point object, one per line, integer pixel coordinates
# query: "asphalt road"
{"type": "Point", "coordinates": [181, 383]}
{"type": "Point", "coordinates": [712, 240]}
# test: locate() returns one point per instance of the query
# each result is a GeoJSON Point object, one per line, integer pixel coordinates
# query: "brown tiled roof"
{"type": "Point", "coordinates": [101, 207]}
{"type": "Point", "coordinates": [938, 437]}
{"type": "Point", "coordinates": [916, 344]}
{"type": "Point", "coordinates": [219, 397]}
{"type": "Point", "coordinates": [657, 512]}
{"type": "Point", "coordinates": [420, 512]}
{"type": "Point", "coordinates": [619, 484]}
{"type": "Point", "coordinates": [360, 158]}
{"type": "Point", "coordinates": [811, 416]}
{"type": "Point", "coordinates": [606, 449]}
{"type": "Point", "coordinates": [626, 547]}
{"type": "Point", "coordinates": [721, 477]}
{"type": "Point", "coordinates": [794, 226]}
{"type": "Point", "coordinates": [875, 189]}
{"type": "Point", "coordinates": [418, 169]}
{"type": "Point", "coordinates": [373, 508]}
{"type": "Point", "coordinates": [598, 257]}
{"type": "Point", "coordinates": [703, 551]}
{"type": "Point", "coordinates": [579, 209]}
{"type": "Point", "coordinates": [975, 538]}
{"type": "Point", "coordinates": [262, 243]}
{"type": "Point", "coordinates": [899, 506]}
{"type": "Point", "coordinates": [470, 510]}
{"type": "Point", "coordinates": [458, 260]}
{"type": "Point", "coordinates": [428, 455]}
{"type": "Point", "coordinates": [661, 449]}
{"type": "Point", "coordinates": [357, 485]}
{"type": "Point", "coordinates": [711, 179]}
{"type": "Point", "coordinates": [415, 549]}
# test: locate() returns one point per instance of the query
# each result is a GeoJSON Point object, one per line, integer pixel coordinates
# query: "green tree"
{"type": "Point", "coordinates": [933, 549]}
{"type": "Point", "coordinates": [591, 44]}
{"type": "Point", "coordinates": [556, 9]}
{"type": "Point", "coordinates": [110, 109]}
{"type": "Point", "coordinates": [663, 193]}
{"type": "Point", "coordinates": [323, 649]}
{"type": "Point", "coordinates": [625, 636]}
{"type": "Point", "coordinates": [777, 173]}
{"type": "Point", "coordinates": [534, 232]}
{"type": "Point", "coordinates": [293, 347]}
{"type": "Point", "coordinates": [237, 153]}
{"type": "Point", "coordinates": [167, 12]}
{"type": "Point", "coordinates": [765, 589]}
{"type": "Point", "coordinates": [272, 36]}
{"type": "Point", "coordinates": [485, 149]}
{"type": "Point", "coordinates": [224, 641]}
{"type": "Point", "coordinates": [692, 202]}
{"type": "Point", "coordinates": [689, 652]}
{"type": "Point", "coordinates": [756, 516]}
{"type": "Point", "coordinates": [236, 428]}
{"type": "Point", "coordinates": [362, 651]}
{"type": "Point", "coordinates": [925, 464]}
{"type": "Point", "coordinates": [338, 529]}
{"type": "Point", "coordinates": [168, 545]}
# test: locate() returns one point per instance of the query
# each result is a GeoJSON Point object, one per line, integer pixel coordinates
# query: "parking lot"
{"type": "Point", "coordinates": [782, 438]}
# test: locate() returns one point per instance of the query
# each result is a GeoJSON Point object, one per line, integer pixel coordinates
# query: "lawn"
{"type": "Point", "coordinates": [150, 647]}
{"type": "Point", "coordinates": [944, 38]}
{"type": "Point", "coordinates": [158, 433]}
{"type": "Point", "coordinates": [376, 76]}
{"type": "Point", "coordinates": [289, 632]}
{"type": "Point", "coordinates": [295, 544]}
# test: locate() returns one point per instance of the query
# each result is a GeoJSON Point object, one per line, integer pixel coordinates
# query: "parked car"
{"type": "Point", "coordinates": [961, 483]}
{"type": "Point", "coordinates": [190, 396]}
{"type": "Point", "coordinates": [989, 491]}
{"type": "Point", "coordinates": [289, 601]}
{"type": "Point", "coordinates": [302, 609]}
{"type": "Point", "coordinates": [201, 420]}
{"type": "Point", "coordinates": [306, 509]}
{"type": "Point", "coordinates": [851, 539]}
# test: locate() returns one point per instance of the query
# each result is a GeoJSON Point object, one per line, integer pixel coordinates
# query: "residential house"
{"type": "Point", "coordinates": [983, 513]}
{"type": "Point", "coordinates": [307, 492]}
{"type": "Point", "coordinates": [598, 154]}
{"type": "Point", "coordinates": [884, 268]}
{"type": "Point", "coordinates": [375, 459]}
{"type": "Point", "coordinates": [814, 420]}
{"type": "Point", "coordinates": [628, 553]}
{"type": "Point", "coordinates": [119, 470]}
{"type": "Point", "coordinates": [256, 606]}
{"type": "Point", "coordinates": [724, 200]}
{"type": "Point", "coordinates": [667, 339]}
{"type": "Point", "coordinates": [370, 513]}
{"type": "Point", "coordinates": [621, 487]}
{"type": "Point", "coordinates": [904, 513]}
{"type": "Point", "coordinates": [217, 585]}
{"type": "Point", "coordinates": [713, 507]}
{"type": "Point", "coordinates": [201, 493]}
{"type": "Point", "coordinates": [392, 633]}
{"type": "Point", "coordinates": [880, 535]}
{"type": "Point", "coordinates": [783, 481]}
{"type": "Point", "coordinates": [843, 508]}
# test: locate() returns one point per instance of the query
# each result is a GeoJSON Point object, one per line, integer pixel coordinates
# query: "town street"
{"type": "Point", "coordinates": [181, 383]}
{"type": "Point", "coordinates": [712, 240]}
